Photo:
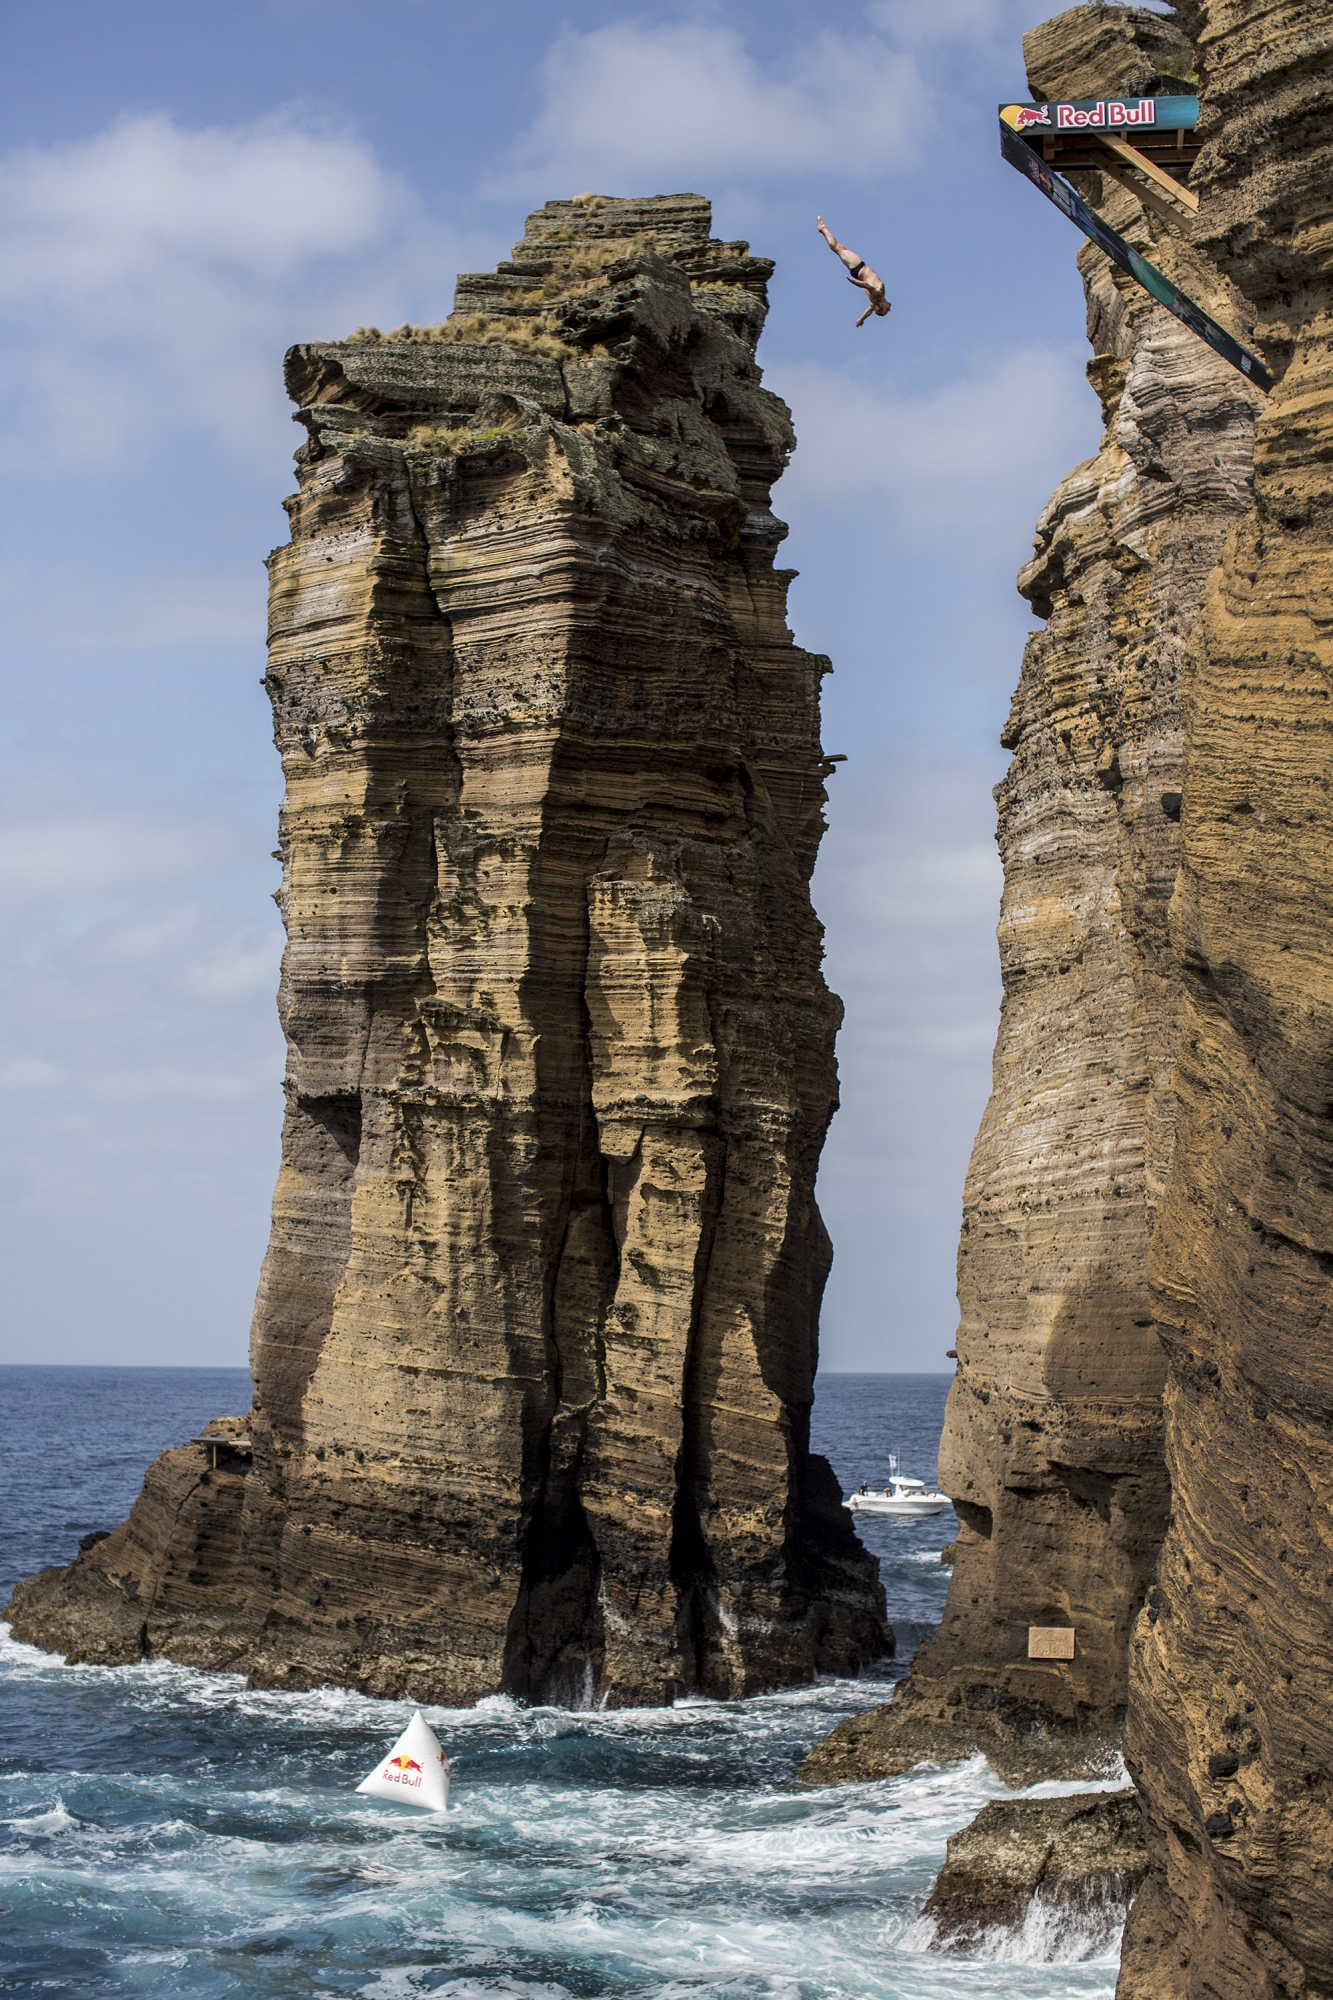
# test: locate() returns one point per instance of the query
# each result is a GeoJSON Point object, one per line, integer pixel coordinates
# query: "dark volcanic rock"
{"type": "Point", "coordinates": [535, 1342]}
{"type": "Point", "coordinates": [1063, 1869]}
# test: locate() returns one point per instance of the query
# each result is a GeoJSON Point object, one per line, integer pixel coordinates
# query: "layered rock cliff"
{"type": "Point", "coordinates": [1229, 1735]}
{"type": "Point", "coordinates": [1053, 1444]}
{"type": "Point", "coordinates": [535, 1341]}
{"type": "Point", "coordinates": [1231, 1730]}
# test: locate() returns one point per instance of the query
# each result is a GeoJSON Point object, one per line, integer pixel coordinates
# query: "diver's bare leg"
{"type": "Point", "coordinates": [849, 257]}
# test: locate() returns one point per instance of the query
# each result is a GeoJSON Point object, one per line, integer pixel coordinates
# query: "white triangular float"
{"type": "Point", "coordinates": [415, 1772]}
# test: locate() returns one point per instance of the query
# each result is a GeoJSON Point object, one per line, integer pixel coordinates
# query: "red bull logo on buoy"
{"type": "Point", "coordinates": [415, 1772]}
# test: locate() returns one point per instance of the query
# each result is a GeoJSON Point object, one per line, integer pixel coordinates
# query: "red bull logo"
{"type": "Point", "coordinates": [399, 1771]}
{"type": "Point", "coordinates": [1019, 116]}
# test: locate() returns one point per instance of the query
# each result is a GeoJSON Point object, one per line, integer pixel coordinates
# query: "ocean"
{"type": "Point", "coordinates": [165, 1832]}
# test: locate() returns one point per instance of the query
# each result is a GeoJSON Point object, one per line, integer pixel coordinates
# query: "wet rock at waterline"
{"type": "Point", "coordinates": [920, 1726]}
{"type": "Point", "coordinates": [1055, 1876]}
{"type": "Point", "coordinates": [535, 1342]}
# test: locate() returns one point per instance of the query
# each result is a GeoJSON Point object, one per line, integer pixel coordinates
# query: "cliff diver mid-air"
{"type": "Point", "coordinates": [858, 273]}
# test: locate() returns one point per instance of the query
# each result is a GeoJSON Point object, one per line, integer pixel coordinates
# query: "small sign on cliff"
{"type": "Point", "coordinates": [1050, 1642]}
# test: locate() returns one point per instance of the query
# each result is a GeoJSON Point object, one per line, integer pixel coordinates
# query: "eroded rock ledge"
{"type": "Point", "coordinates": [535, 1341]}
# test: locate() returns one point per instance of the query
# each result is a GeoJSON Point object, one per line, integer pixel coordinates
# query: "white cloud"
{"type": "Point", "coordinates": [240, 966]}
{"type": "Point", "coordinates": [69, 606]}
{"type": "Point", "coordinates": [121, 989]}
{"type": "Point", "coordinates": [187, 951]}
{"type": "Point", "coordinates": [24, 1074]}
{"type": "Point", "coordinates": [106, 214]}
{"type": "Point", "coordinates": [140, 1079]}
{"type": "Point", "coordinates": [642, 103]}
{"type": "Point", "coordinates": [931, 885]}
{"type": "Point", "coordinates": [968, 453]}
{"type": "Point", "coordinates": [919, 23]}
{"type": "Point", "coordinates": [982, 26]}
{"type": "Point", "coordinates": [151, 276]}
{"type": "Point", "coordinates": [908, 885]}
{"type": "Point", "coordinates": [49, 859]}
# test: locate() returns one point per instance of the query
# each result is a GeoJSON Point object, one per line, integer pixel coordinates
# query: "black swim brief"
{"type": "Point", "coordinates": [857, 269]}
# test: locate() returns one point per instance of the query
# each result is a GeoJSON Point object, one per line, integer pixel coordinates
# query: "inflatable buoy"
{"type": "Point", "coordinates": [415, 1772]}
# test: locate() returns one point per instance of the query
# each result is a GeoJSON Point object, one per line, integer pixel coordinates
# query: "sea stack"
{"type": "Point", "coordinates": [535, 1341]}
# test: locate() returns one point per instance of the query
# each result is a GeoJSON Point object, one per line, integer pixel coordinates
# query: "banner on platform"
{"type": "Point", "coordinates": [1104, 114]}
{"type": "Point", "coordinates": [1155, 282]}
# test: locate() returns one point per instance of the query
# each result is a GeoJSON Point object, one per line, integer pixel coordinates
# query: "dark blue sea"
{"type": "Point", "coordinates": [170, 1833]}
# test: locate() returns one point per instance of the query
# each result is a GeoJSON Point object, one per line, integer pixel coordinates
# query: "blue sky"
{"type": "Point", "coordinates": [186, 191]}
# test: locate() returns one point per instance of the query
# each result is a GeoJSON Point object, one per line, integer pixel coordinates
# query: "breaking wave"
{"type": "Point", "coordinates": [166, 1832]}
{"type": "Point", "coordinates": [661, 1853]}
{"type": "Point", "coordinates": [1056, 1930]}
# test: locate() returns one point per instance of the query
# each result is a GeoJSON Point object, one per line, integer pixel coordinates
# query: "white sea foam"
{"type": "Point", "coordinates": [1055, 1933]}
{"type": "Point", "coordinates": [655, 1854]}
{"type": "Point", "coordinates": [1052, 1932]}
{"type": "Point", "coordinates": [42, 1825]}
{"type": "Point", "coordinates": [406, 1982]}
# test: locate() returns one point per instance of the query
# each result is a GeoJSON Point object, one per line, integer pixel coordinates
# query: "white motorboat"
{"type": "Point", "coordinates": [903, 1499]}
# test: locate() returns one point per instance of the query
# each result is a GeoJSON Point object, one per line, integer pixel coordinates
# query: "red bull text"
{"type": "Point", "coordinates": [1110, 113]}
{"type": "Point", "coordinates": [399, 1771]}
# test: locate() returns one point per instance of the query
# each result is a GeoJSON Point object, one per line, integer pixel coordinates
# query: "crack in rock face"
{"type": "Point", "coordinates": [535, 1341]}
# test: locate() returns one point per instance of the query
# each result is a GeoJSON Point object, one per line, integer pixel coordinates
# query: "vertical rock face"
{"type": "Point", "coordinates": [1231, 1729]}
{"type": "Point", "coordinates": [1053, 1448]}
{"type": "Point", "coordinates": [536, 1335]}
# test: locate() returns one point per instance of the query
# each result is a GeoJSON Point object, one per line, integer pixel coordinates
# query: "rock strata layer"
{"type": "Point", "coordinates": [1060, 1872]}
{"type": "Point", "coordinates": [1231, 1727]}
{"type": "Point", "coordinates": [1053, 1442]}
{"type": "Point", "coordinates": [535, 1342]}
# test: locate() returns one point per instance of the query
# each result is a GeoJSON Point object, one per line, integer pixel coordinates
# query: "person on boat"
{"type": "Point", "coordinates": [863, 1487]}
{"type": "Point", "coordinates": [858, 273]}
